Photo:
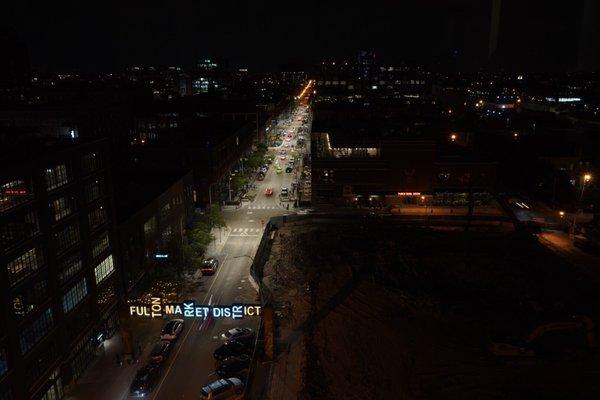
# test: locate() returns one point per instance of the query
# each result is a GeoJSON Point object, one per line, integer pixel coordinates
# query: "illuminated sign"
{"type": "Point", "coordinates": [409, 193]}
{"type": "Point", "coordinates": [15, 192]}
{"type": "Point", "coordinates": [189, 309]}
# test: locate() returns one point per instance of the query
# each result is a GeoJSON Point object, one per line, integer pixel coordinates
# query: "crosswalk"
{"type": "Point", "coordinates": [246, 230]}
{"type": "Point", "coordinates": [262, 207]}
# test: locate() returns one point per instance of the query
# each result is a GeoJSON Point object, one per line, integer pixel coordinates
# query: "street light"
{"type": "Point", "coordinates": [587, 177]}
{"type": "Point", "coordinates": [453, 137]}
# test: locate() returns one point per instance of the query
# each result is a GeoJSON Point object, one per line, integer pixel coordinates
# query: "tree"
{"type": "Point", "coordinates": [238, 182]}
{"type": "Point", "coordinates": [215, 217]}
{"type": "Point", "coordinates": [254, 161]}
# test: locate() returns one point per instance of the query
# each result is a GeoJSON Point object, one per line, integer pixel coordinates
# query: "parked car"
{"type": "Point", "coordinates": [209, 266]}
{"type": "Point", "coordinates": [264, 169]}
{"type": "Point", "coordinates": [236, 332]}
{"type": "Point", "coordinates": [231, 348]}
{"type": "Point", "coordinates": [284, 192]}
{"type": "Point", "coordinates": [289, 168]}
{"type": "Point", "coordinates": [222, 389]}
{"type": "Point", "coordinates": [172, 329]}
{"type": "Point", "coordinates": [160, 352]}
{"type": "Point", "coordinates": [145, 380]}
{"type": "Point", "coordinates": [269, 192]}
{"type": "Point", "coordinates": [233, 365]}
{"type": "Point", "coordinates": [278, 169]}
{"type": "Point", "coordinates": [260, 176]}
{"type": "Point", "coordinates": [247, 340]}
{"type": "Point", "coordinates": [282, 156]}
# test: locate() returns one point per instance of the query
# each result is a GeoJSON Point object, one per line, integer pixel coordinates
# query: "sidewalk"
{"type": "Point", "coordinates": [216, 246]}
{"type": "Point", "coordinates": [444, 210]}
{"type": "Point", "coordinates": [104, 379]}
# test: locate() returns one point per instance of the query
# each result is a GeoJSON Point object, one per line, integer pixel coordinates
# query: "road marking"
{"type": "Point", "coordinates": [250, 220]}
{"type": "Point", "coordinates": [157, 390]}
{"type": "Point", "coordinates": [239, 287]}
{"type": "Point", "coordinates": [249, 212]}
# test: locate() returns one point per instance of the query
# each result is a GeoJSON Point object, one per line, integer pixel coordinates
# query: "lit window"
{"type": "Point", "coordinates": [24, 265]}
{"type": "Point", "coordinates": [61, 208]}
{"type": "Point", "coordinates": [100, 245]}
{"type": "Point", "coordinates": [104, 269]}
{"type": "Point", "coordinates": [74, 296]}
{"type": "Point", "coordinates": [56, 177]}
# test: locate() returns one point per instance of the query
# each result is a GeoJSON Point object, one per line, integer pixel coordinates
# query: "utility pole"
{"type": "Point", "coordinates": [585, 179]}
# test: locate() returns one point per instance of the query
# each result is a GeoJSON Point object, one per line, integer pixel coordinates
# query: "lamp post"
{"type": "Point", "coordinates": [585, 179]}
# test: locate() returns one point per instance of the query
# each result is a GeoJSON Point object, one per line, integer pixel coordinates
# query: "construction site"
{"type": "Point", "coordinates": [367, 307]}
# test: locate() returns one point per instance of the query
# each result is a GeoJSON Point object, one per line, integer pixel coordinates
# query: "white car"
{"type": "Point", "coordinates": [222, 389]}
{"type": "Point", "coordinates": [236, 332]}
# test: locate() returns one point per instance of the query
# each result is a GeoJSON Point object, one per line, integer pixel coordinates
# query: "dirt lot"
{"type": "Point", "coordinates": [376, 310]}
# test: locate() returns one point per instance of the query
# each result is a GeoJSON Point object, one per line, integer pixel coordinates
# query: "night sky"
{"type": "Point", "coordinates": [107, 35]}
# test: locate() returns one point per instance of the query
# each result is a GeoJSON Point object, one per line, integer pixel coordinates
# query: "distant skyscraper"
{"type": "Point", "coordinates": [366, 63]}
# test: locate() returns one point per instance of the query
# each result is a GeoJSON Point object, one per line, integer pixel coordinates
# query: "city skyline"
{"type": "Point", "coordinates": [535, 36]}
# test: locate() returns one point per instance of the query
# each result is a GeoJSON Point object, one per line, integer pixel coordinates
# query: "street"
{"type": "Point", "coordinates": [191, 365]}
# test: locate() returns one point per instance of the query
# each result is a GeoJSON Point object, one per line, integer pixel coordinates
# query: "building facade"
{"type": "Point", "coordinates": [58, 270]}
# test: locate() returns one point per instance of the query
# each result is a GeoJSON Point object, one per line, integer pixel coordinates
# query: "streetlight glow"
{"type": "Point", "coordinates": [587, 178]}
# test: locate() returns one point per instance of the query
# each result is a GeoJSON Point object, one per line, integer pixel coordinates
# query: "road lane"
{"type": "Point", "coordinates": [192, 365]}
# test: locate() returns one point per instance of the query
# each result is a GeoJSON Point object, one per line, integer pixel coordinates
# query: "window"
{"type": "Point", "coordinates": [62, 207]}
{"type": "Point", "coordinates": [150, 226]}
{"type": "Point", "coordinates": [92, 191]}
{"type": "Point", "coordinates": [3, 362]}
{"type": "Point", "coordinates": [13, 193]}
{"type": "Point", "coordinates": [55, 391]}
{"type": "Point", "coordinates": [38, 365]}
{"type": "Point", "coordinates": [28, 299]}
{"type": "Point", "coordinates": [18, 228]}
{"type": "Point", "coordinates": [56, 177]}
{"type": "Point", "coordinates": [68, 268]}
{"type": "Point", "coordinates": [97, 217]}
{"type": "Point", "coordinates": [74, 296]}
{"type": "Point", "coordinates": [66, 238]}
{"type": "Point", "coordinates": [84, 353]}
{"type": "Point", "coordinates": [90, 162]}
{"type": "Point", "coordinates": [35, 331]}
{"type": "Point", "coordinates": [104, 269]}
{"type": "Point", "coordinates": [100, 245]}
{"type": "Point", "coordinates": [24, 265]}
